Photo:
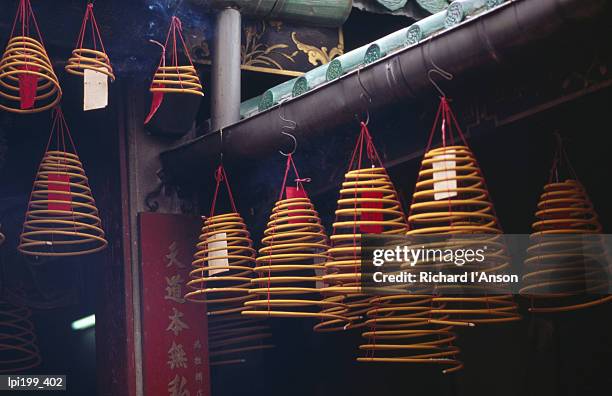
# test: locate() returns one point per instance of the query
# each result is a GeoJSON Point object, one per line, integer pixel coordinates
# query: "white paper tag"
{"type": "Point", "coordinates": [445, 185]}
{"type": "Point", "coordinates": [95, 90]}
{"type": "Point", "coordinates": [219, 249]}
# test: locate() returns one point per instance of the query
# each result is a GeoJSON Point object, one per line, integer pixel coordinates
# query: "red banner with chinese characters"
{"type": "Point", "coordinates": [175, 342]}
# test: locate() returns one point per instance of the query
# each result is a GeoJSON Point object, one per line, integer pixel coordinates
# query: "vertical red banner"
{"type": "Point", "coordinates": [59, 190]}
{"type": "Point", "coordinates": [369, 216]}
{"type": "Point", "coordinates": [28, 84]}
{"type": "Point", "coordinates": [294, 192]}
{"type": "Point", "coordinates": [175, 332]}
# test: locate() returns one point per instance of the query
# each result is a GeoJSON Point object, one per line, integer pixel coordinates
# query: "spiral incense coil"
{"type": "Point", "coordinates": [294, 244]}
{"type": "Point", "coordinates": [25, 56]}
{"type": "Point", "coordinates": [451, 198]}
{"type": "Point", "coordinates": [232, 337]}
{"type": "Point", "coordinates": [177, 79]}
{"type": "Point", "coordinates": [223, 265]}
{"type": "Point", "coordinates": [1, 238]}
{"type": "Point", "coordinates": [368, 200]}
{"type": "Point", "coordinates": [18, 348]}
{"type": "Point", "coordinates": [403, 329]}
{"type": "Point", "coordinates": [85, 58]}
{"type": "Point", "coordinates": [566, 268]}
{"type": "Point", "coordinates": [62, 218]}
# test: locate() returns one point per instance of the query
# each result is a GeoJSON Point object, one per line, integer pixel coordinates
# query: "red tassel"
{"type": "Point", "coordinates": [158, 98]}
{"type": "Point", "coordinates": [27, 87]}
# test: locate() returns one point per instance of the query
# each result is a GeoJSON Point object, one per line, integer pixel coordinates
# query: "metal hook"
{"type": "Point", "coordinates": [367, 99]}
{"type": "Point", "coordinates": [289, 125]}
{"type": "Point", "coordinates": [448, 76]}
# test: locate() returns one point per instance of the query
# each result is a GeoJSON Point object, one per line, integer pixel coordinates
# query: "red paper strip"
{"type": "Point", "coordinates": [158, 98]}
{"type": "Point", "coordinates": [368, 216]}
{"type": "Point", "coordinates": [62, 188]}
{"type": "Point", "coordinates": [27, 87]}
{"type": "Point", "coordinates": [294, 192]}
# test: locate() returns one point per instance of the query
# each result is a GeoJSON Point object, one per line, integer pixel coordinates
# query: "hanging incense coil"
{"type": "Point", "coordinates": [25, 56]}
{"type": "Point", "coordinates": [290, 265]}
{"type": "Point", "coordinates": [232, 337]}
{"type": "Point", "coordinates": [223, 265]}
{"type": "Point", "coordinates": [62, 218]}
{"type": "Point", "coordinates": [84, 58]}
{"type": "Point", "coordinates": [451, 198]}
{"type": "Point", "coordinates": [221, 278]}
{"type": "Point", "coordinates": [402, 329]}
{"type": "Point", "coordinates": [368, 203]}
{"type": "Point", "coordinates": [291, 260]}
{"type": "Point", "coordinates": [566, 268]}
{"type": "Point", "coordinates": [90, 58]}
{"type": "Point", "coordinates": [28, 83]}
{"type": "Point", "coordinates": [176, 78]}
{"type": "Point", "coordinates": [18, 347]}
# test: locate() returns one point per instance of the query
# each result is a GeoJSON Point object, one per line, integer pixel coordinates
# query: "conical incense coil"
{"type": "Point", "coordinates": [451, 197]}
{"type": "Point", "coordinates": [294, 250]}
{"type": "Point", "coordinates": [94, 58]}
{"type": "Point", "coordinates": [403, 329]}
{"type": "Point", "coordinates": [176, 78]}
{"type": "Point", "coordinates": [368, 203]}
{"type": "Point", "coordinates": [231, 338]}
{"type": "Point", "coordinates": [566, 269]}
{"type": "Point", "coordinates": [223, 265]}
{"type": "Point", "coordinates": [290, 263]}
{"type": "Point", "coordinates": [25, 56]}
{"type": "Point", "coordinates": [28, 83]}
{"type": "Point", "coordinates": [18, 347]}
{"type": "Point", "coordinates": [62, 218]}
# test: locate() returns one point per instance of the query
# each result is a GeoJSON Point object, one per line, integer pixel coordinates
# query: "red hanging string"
{"type": "Point", "coordinates": [175, 30]}
{"type": "Point", "coordinates": [291, 165]}
{"type": "Point", "coordinates": [25, 15]}
{"type": "Point", "coordinates": [96, 38]}
{"type": "Point", "coordinates": [221, 176]}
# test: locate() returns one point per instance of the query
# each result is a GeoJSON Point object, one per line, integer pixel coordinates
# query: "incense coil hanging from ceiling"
{"type": "Point", "coordinates": [224, 259]}
{"type": "Point", "coordinates": [223, 287]}
{"type": "Point", "coordinates": [368, 204]}
{"type": "Point", "coordinates": [28, 83]}
{"type": "Point", "coordinates": [232, 337]}
{"type": "Point", "coordinates": [291, 260]}
{"type": "Point", "coordinates": [176, 78]}
{"type": "Point", "coordinates": [451, 197]}
{"type": "Point", "coordinates": [18, 345]}
{"type": "Point", "coordinates": [402, 329]}
{"type": "Point", "coordinates": [221, 278]}
{"type": "Point", "coordinates": [566, 267]}
{"type": "Point", "coordinates": [94, 58]}
{"type": "Point", "coordinates": [62, 218]}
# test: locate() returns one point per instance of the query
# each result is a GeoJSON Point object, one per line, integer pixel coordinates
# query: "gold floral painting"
{"type": "Point", "coordinates": [279, 48]}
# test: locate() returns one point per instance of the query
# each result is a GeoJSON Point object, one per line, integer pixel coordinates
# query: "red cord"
{"type": "Point", "coordinates": [221, 176]}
